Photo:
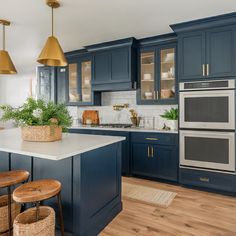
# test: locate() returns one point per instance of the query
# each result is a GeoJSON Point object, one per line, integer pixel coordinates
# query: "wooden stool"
{"type": "Point", "coordinates": [37, 191]}
{"type": "Point", "coordinates": [8, 179]}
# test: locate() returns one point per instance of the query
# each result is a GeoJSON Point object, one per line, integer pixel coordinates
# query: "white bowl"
{"type": "Point", "coordinates": [147, 77]}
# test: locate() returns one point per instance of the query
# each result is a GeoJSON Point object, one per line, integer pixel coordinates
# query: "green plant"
{"type": "Point", "coordinates": [37, 112]}
{"type": "Point", "coordinates": [172, 114]}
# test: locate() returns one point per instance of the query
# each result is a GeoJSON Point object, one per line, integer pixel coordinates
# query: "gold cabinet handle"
{"type": "Point", "coordinates": [148, 152]}
{"type": "Point", "coordinates": [152, 152]}
{"type": "Point", "coordinates": [203, 70]}
{"type": "Point", "coordinates": [207, 66]}
{"type": "Point", "coordinates": [204, 179]}
{"type": "Point", "coordinates": [153, 139]}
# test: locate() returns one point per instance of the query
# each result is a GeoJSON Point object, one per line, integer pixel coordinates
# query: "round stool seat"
{"type": "Point", "coordinates": [13, 177]}
{"type": "Point", "coordinates": [37, 191]}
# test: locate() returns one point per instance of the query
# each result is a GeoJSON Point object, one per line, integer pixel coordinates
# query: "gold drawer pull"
{"type": "Point", "coordinates": [152, 152]}
{"type": "Point", "coordinates": [204, 179]}
{"type": "Point", "coordinates": [148, 151]}
{"type": "Point", "coordinates": [153, 139]}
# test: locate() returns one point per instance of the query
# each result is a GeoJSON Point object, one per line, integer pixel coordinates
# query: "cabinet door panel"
{"type": "Point", "coordinates": [46, 83]}
{"type": "Point", "coordinates": [120, 64]}
{"type": "Point", "coordinates": [62, 92]}
{"type": "Point", "coordinates": [167, 162]}
{"type": "Point", "coordinates": [102, 67]}
{"type": "Point", "coordinates": [220, 52]}
{"type": "Point", "coordinates": [142, 162]}
{"type": "Point", "coordinates": [191, 55]}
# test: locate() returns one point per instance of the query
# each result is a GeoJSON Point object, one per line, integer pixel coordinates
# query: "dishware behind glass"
{"type": "Point", "coordinates": [147, 77]}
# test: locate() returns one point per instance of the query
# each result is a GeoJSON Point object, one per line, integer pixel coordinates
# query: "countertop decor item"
{"type": "Point", "coordinates": [52, 53]}
{"type": "Point", "coordinates": [6, 64]}
{"type": "Point", "coordinates": [172, 116]}
{"type": "Point", "coordinates": [135, 119]}
{"type": "Point", "coordinates": [119, 107]}
{"type": "Point", "coordinates": [39, 121]}
{"type": "Point", "coordinates": [90, 117]}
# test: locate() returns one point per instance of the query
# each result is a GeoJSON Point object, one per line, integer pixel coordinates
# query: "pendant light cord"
{"type": "Point", "coordinates": [52, 23]}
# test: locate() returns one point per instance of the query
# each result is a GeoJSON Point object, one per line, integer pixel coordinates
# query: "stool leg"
{"type": "Point", "coordinates": [60, 213]}
{"type": "Point", "coordinates": [37, 210]}
{"type": "Point", "coordinates": [9, 208]}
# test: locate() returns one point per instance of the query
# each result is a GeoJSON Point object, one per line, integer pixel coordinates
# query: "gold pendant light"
{"type": "Point", "coordinates": [6, 64]}
{"type": "Point", "coordinates": [52, 54]}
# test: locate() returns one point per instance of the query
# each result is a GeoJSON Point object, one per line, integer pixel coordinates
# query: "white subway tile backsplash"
{"type": "Point", "coordinates": [108, 115]}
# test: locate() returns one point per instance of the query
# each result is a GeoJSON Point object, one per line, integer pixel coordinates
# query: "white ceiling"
{"type": "Point", "coordinates": [84, 22]}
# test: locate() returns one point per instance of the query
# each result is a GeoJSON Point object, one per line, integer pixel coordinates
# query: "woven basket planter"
{"type": "Point", "coordinates": [25, 223]}
{"type": "Point", "coordinates": [44, 133]}
{"type": "Point", "coordinates": [15, 210]}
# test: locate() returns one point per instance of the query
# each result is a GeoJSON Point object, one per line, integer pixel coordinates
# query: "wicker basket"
{"type": "Point", "coordinates": [44, 133]}
{"type": "Point", "coordinates": [25, 223]}
{"type": "Point", "coordinates": [15, 210]}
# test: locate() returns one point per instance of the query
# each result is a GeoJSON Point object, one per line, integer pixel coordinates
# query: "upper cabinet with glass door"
{"type": "Point", "coordinates": [77, 78]}
{"type": "Point", "coordinates": [167, 73]}
{"type": "Point", "coordinates": [157, 70]}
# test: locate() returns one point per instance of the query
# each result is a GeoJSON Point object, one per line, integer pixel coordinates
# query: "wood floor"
{"type": "Point", "coordinates": [192, 212]}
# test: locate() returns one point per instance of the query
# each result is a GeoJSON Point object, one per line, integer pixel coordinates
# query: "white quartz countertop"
{"type": "Point", "coordinates": [70, 145]}
{"type": "Point", "coordinates": [132, 129]}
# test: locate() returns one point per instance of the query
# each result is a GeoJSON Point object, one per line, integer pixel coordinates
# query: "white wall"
{"type": "Point", "coordinates": [14, 89]}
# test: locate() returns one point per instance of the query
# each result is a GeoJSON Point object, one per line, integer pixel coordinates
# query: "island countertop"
{"type": "Point", "coordinates": [70, 145]}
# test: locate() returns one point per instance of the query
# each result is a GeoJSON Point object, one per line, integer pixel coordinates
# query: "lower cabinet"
{"type": "Point", "coordinates": [158, 161]}
{"type": "Point", "coordinates": [126, 153]}
{"type": "Point", "coordinates": [207, 179]}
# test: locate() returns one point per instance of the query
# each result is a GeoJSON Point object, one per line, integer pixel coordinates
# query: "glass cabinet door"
{"type": "Point", "coordinates": [147, 85]}
{"type": "Point", "coordinates": [86, 76]}
{"type": "Point", "coordinates": [167, 78]}
{"type": "Point", "coordinates": [74, 95]}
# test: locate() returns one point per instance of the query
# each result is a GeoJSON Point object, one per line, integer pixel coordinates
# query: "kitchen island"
{"type": "Point", "coordinates": [88, 166]}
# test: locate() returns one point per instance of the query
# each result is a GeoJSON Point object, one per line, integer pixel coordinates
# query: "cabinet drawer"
{"type": "Point", "coordinates": [211, 180]}
{"type": "Point", "coordinates": [154, 138]}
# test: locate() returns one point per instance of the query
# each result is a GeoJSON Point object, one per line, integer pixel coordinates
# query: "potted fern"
{"type": "Point", "coordinates": [39, 121]}
{"type": "Point", "coordinates": [172, 116]}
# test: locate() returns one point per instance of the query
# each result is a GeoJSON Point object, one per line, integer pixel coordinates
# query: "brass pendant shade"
{"type": "Point", "coordinates": [52, 53]}
{"type": "Point", "coordinates": [6, 64]}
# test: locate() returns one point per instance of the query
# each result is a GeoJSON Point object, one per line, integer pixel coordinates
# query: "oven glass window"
{"type": "Point", "coordinates": [214, 150]}
{"type": "Point", "coordinates": [206, 109]}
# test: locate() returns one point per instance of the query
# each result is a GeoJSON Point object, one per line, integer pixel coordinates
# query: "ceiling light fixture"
{"type": "Point", "coordinates": [6, 64]}
{"type": "Point", "coordinates": [52, 54]}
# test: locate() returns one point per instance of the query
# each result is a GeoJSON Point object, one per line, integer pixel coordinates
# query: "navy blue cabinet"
{"type": "Point", "coordinates": [114, 65]}
{"type": "Point", "coordinates": [5, 164]}
{"type": "Point", "coordinates": [209, 180]}
{"type": "Point", "coordinates": [142, 162]}
{"type": "Point", "coordinates": [102, 68]}
{"type": "Point", "coordinates": [46, 83]}
{"type": "Point", "coordinates": [155, 155]}
{"type": "Point", "coordinates": [207, 47]}
{"type": "Point", "coordinates": [220, 54]}
{"type": "Point", "coordinates": [74, 81]}
{"type": "Point", "coordinates": [157, 82]}
{"type": "Point", "coordinates": [126, 152]}
{"type": "Point", "coordinates": [191, 55]}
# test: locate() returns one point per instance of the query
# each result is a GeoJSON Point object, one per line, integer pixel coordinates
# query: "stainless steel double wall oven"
{"type": "Point", "coordinates": [207, 125]}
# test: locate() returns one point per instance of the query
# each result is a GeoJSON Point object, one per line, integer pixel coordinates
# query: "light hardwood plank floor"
{"type": "Point", "coordinates": [192, 213]}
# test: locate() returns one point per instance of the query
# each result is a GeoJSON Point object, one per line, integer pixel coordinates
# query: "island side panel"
{"type": "Point", "coordinates": [4, 166]}
{"type": "Point", "coordinates": [21, 162]}
{"type": "Point", "coordinates": [97, 189]}
{"type": "Point", "coordinates": [61, 171]}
